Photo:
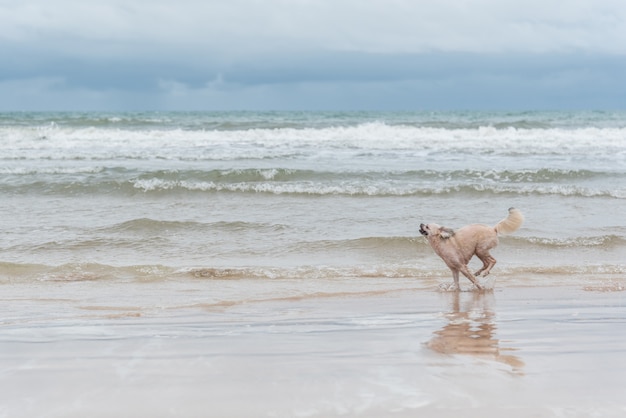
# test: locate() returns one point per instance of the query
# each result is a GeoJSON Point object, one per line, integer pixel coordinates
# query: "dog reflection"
{"type": "Point", "coordinates": [470, 331]}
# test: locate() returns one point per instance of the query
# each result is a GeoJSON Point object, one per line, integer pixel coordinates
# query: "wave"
{"type": "Point", "coordinates": [147, 224]}
{"type": "Point", "coordinates": [280, 119]}
{"type": "Point", "coordinates": [87, 272]}
{"type": "Point", "coordinates": [55, 170]}
{"type": "Point", "coordinates": [145, 234]}
{"type": "Point", "coordinates": [278, 174]}
{"type": "Point", "coordinates": [370, 189]}
{"type": "Point", "coordinates": [81, 272]}
{"type": "Point", "coordinates": [407, 245]}
{"type": "Point", "coordinates": [600, 241]}
{"type": "Point", "coordinates": [143, 225]}
{"type": "Point", "coordinates": [417, 243]}
{"type": "Point", "coordinates": [165, 187]}
{"type": "Point", "coordinates": [148, 238]}
{"type": "Point", "coordinates": [184, 243]}
{"type": "Point", "coordinates": [251, 175]}
{"type": "Point", "coordinates": [97, 143]}
{"type": "Point", "coordinates": [99, 180]}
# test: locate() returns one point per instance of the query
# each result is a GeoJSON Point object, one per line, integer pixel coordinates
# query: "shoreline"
{"type": "Point", "coordinates": [517, 350]}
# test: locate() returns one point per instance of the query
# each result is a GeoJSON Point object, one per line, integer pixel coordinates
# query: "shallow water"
{"type": "Point", "coordinates": [520, 351]}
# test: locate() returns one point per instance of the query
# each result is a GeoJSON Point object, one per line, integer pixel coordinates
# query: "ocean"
{"type": "Point", "coordinates": [151, 196]}
{"type": "Point", "coordinates": [154, 246]}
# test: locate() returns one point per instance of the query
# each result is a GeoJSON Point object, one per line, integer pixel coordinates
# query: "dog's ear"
{"type": "Point", "coordinates": [446, 232]}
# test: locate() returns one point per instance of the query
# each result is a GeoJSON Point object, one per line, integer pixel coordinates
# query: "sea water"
{"type": "Point", "coordinates": [106, 196]}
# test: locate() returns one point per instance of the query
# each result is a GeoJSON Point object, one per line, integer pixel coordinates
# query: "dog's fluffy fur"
{"type": "Point", "coordinates": [456, 248]}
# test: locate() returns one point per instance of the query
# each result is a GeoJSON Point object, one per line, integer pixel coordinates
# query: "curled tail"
{"type": "Point", "coordinates": [511, 223]}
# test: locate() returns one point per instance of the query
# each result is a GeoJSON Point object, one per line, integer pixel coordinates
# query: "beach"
{"type": "Point", "coordinates": [329, 350]}
{"type": "Point", "coordinates": [244, 264]}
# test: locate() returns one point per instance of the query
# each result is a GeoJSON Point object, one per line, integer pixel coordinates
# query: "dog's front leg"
{"type": "Point", "coordinates": [455, 276]}
{"type": "Point", "coordinates": [470, 276]}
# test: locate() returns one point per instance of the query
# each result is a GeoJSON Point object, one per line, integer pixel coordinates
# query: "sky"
{"type": "Point", "coordinates": [118, 55]}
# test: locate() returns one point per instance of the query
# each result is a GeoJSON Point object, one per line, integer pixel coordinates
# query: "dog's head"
{"type": "Point", "coordinates": [434, 230]}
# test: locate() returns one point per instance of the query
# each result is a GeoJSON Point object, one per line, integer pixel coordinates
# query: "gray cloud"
{"type": "Point", "coordinates": [381, 26]}
{"type": "Point", "coordinates": [312, 54]}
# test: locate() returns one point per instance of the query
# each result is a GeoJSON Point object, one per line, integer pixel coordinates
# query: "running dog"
{"type": "Point", "coordinates": [456, 248]}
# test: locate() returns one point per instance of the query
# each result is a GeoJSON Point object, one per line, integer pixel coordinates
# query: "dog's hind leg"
{"type": "Point", "coordinates": [488, 263]}
{"type": "Point", "coordinates": [483, 268]}
{"type": "Point", "coordinates": [467, 273]}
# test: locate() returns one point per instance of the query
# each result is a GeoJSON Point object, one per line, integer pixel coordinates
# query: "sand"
{"type": "Point", "coordinates": [403, 352]}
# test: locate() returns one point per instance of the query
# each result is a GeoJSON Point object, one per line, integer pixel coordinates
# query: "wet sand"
{"type": "Point", "coordinates": [514, 352]}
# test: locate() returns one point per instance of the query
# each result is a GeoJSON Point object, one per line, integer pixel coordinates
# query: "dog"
{"type": "Point", "coordinates": [456, 248]}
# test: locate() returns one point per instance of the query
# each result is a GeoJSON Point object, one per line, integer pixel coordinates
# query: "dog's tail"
{"type": "Point", "coordinates": [511, 223]}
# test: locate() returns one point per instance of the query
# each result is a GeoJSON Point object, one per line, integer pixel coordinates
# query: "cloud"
{"type": "Point", "coordinates": [352, 81]}
{"type": "Point", "coordinates": [375, 26]}
{"type": "Point", "coordinates": [322, 53]}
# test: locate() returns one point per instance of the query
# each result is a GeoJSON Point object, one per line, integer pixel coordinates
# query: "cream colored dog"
{"type": "Point", "coordinates": [456, 248]}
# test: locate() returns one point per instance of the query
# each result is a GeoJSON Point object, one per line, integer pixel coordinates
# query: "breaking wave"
{"type": "Point", "coordinates": [94, 143]}
{"type": "Point", "coordinates": [87, 272]}
{"type": "Point", "coordinates": [97, 180]}
{"type": "Point", "coordinates": [601, 241]}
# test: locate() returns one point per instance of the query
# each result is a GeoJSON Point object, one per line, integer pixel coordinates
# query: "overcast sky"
{"type": "Point", "coordinates": [312, 54]}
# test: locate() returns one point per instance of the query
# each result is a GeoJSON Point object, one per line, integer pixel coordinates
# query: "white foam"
{"type": "Point", "coordinates": [73, 143]}
{"type": "Point", "coordinates": [363, 188]}
{"type": "Point", "coordinates": [20, 170]}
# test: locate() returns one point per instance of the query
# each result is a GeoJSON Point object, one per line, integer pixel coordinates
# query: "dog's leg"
{"type": "Point", "coordinates": [470, 276]}
{"type": "Point", "coordinates": [483, 268]}
{"type": "Point", "coordinates": [488, 263]}
{"type": "Point", "coordinates": [455, 276]}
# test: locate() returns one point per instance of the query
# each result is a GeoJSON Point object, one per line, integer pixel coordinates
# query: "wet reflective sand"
{"type": "Point", "coordinates": [515, 352]}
